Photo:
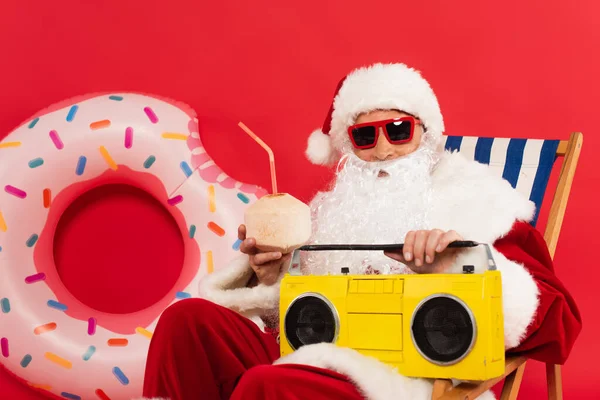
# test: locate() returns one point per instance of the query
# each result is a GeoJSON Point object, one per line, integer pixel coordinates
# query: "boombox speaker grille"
{"type": "Point", "coordinates": [310, 319]}
{"type": "Point", "coordinates": [443, 329]}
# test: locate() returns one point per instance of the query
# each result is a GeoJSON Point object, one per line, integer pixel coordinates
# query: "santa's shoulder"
{"type": "Point", "coordinates": [470, 194]}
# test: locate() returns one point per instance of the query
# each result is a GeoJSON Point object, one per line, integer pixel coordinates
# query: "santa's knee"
{"type": "Point", "coordinates": [258, 380]}
{"type": "Point", "coordinates": [189, 314]}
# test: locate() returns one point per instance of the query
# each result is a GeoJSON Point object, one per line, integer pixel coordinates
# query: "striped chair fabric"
{"type": "Point", "coordinates": [525, 163]}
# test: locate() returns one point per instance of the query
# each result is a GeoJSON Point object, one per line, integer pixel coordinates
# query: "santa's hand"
{"type": "Point", "coordinates": [427, 251]}
{"type": "Point", "coordinates": [266, 266]}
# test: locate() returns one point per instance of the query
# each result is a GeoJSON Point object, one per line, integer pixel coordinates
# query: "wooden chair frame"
{"type": "Point", "coordinates": [515, 366]}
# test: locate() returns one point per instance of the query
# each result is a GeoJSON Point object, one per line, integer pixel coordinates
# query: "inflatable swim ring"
{"type": "Point", "coordinates": [48, 337]}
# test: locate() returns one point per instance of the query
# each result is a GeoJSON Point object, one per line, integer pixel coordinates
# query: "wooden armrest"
{"type": "Point", "coordinates": [443, 389]}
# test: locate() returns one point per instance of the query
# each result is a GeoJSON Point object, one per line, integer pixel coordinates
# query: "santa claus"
{"type": "Point", "coordinates": [392, 185]}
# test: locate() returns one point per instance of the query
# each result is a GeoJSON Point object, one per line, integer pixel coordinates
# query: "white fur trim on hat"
{"type": "Point", "coordinates": [384, 87]}
{"type": "Point", "coordinates": [319, 150]}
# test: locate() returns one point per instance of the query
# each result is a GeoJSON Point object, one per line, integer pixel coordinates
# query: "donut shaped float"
{"type": "Point", "coordinates": [48, 337]}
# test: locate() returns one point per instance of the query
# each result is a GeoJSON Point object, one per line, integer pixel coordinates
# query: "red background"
{"type": "Point", "coordinates": [512, 68]}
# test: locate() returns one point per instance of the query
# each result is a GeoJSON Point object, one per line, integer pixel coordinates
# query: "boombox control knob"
{"type": "Point", "coordinates": [468, 269]}
{"type": "Point", "coordinates": [345, 270]}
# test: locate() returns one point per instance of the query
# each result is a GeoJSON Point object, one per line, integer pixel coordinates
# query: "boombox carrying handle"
{"type": "Point", "coordinates": [294, 268]}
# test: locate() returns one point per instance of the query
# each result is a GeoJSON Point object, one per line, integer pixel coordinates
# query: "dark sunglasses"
{"type": "Point", "coordinates": [397, 131]}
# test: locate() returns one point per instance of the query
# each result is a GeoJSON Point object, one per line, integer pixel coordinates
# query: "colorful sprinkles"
{"type": "Point", "coordinates": [100, 125]}
{"type": "Point", "coordinates": [47, 198]}
{"type": "Point", "coordinates": [32, 240]}
{"type": "Point", "coordinates": [3, 226]}
{"type": "Point", "coordinates": [187, 171]}
{"type": "Point", "coordinates": [109, 160]}
{"type": "Point", "coordinates": [4, 347]}
{"type": "Point", "coordinates": [236, 245]}
{"type": "Point", "coordinates": [151, 115]}
{"type": "Point", "coordinates": [88, 353]}
{"type": "Point", "coordinates": [56, 140]}
{"type": "Point", "coordinates": [26, 360]}
{"type": "Point", "coordinates": [101, 395]}
{"type": "Point", "coordinates": [210, 265]}
{"type": "Point", "coordinates": [216, 229]}
{"type": "Point", "coordinates": [175, 200]}
{"type": "Point", "coordinates": [117, 342]}
{"type": "Point", "coordinates": [144, 332]}
{"type": "Point", "coordinates": [56, 305]}
{"type": "Point", "coordinates": [149, 161]}
{"type": "Point", "coordinates": [9, 144]}
{"type": "Point", "coordinates": [128, 137]}
{"type": "Point", "coordinates": [212, 205]}
{"type": "Point", "coordinates": [33, 123]}
{"type": "Point", "coordinates": [174, 136]}
{"type": "Point", "coordinates": [5, 305]}
{"type": "Point", "coordinates": [15, 191]}
{"type": "Point", "coordinates": [35, 278]}
{"type": "Point", "coordinates": [91, 326]}
{"type": "Point", "coordinates": [36, 162]}
{"type": "Point", "coordinates": [80, 169]}
{"type": "Point", "coordinates": [58, 360]}
{"type": "Point", "coordinates": [120, 376]}
{"type": "Point", "coordinates": [45, 328]}
{"type": "Point", "coordinates": [72, 112]}
{"type": "Point", "coordinates": [70, 396]}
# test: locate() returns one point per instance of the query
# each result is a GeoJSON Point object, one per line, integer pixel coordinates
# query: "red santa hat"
{"type": "Point", "coordinates": [376, 87]}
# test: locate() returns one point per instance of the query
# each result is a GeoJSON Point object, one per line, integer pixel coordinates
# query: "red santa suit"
{"type": "Point", "coordinates": [222, 346]}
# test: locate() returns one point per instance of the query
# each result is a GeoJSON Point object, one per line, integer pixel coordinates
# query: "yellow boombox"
{"type": "Point", "coordinates": [425, 325]}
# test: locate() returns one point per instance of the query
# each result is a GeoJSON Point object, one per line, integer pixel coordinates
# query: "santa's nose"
{"type": "Point", "coordinates": [384, 150]}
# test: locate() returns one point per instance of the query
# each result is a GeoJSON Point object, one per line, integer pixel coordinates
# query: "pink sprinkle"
{"type": "Point", "coordinates": [4, 345]}
{"type": "Point", "coordinates": [15, 192]}
{"type": "Point", "coordinates": [151, 115]}
{"type": "Point", "coordinates": [128, 137]}
{"type": "Point", "coordinates": [56, 140]}
{"type": "Point", "coordinates": [175, 200]}
{"type": "Point", "coordinates": [91, 326]}
{"type": "Point", "coordinates": [35, 278]}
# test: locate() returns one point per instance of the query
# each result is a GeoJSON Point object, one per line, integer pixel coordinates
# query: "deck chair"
{"type": "Point", "coordinates": [527, 164]}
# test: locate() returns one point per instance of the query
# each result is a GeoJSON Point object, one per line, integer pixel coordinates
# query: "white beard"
{"type": "Point", "coordinates": [362, 208]}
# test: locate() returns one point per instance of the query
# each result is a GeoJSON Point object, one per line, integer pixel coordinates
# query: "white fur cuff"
{"type": "Point", "coordinates": [519, 292]}
{"type": "Point", "coordinates": [376, 380]}
{"type": "Point", "coordinates": [227, 287]}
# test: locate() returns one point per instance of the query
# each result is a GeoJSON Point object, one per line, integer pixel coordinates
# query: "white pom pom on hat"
{"type": "Point", "coordinates": [376, 87]}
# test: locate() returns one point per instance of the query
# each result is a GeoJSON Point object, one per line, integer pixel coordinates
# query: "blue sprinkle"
{"type": "Point", "coordinates": [57, 305]}
{"type": "Point", "coordinates": [5, 305]}
{"type": "Point", "coordinates": [72, 113]}
{"type": "Point", "coordinates": [186, 169]}
{"type": "Point", "coordinates": [237, 244]}
{"type": "Point", "coordinates": [33, 123]}
{"type": "Point", "coordinates": [192, 231]}
{"type": "Point", "coordinates": [149, 161]}
{"type": "Point", "coordinates": [89, 353]}
{"type": "Point", "coordinates": [0, 249]}
{"type": "Point", "coordinates": [81, 165]}
{"type": "Point", "coordinates": [115, 98]}
{"type": "Point", "coordinates": [70, 396]}
{"type": "Point", "coordinates": [183, 295]}
{"type": "Point", "coordinates": [36, 162]}
{"type": "Point", "coordinates": [243, 198]}
{"type": "Point", "coordinates": [32, 240]}
{"type": "Point", "coordinates": [26, 360]}
{"type": "Point", "coordinates": [120, 376]}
